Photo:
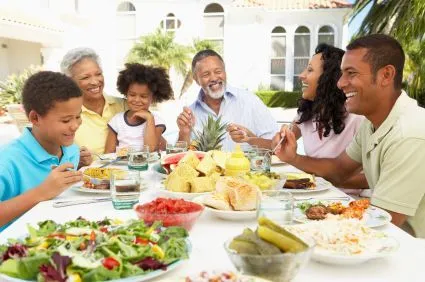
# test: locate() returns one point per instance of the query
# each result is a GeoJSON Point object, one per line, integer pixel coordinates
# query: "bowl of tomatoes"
{"type": "Point", "coordinates": [171, 212]}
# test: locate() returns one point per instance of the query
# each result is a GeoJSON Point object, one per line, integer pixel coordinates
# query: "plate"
{"type": "Point", "coordinates": [80, 188]}
{"type": "Point", "coordinates": [228, 215]}
{"type": "Point", "coordinates": [373, 217]}
{"type": "Point", "coordinates": [321, 185]}
{"type": "Point", "coordinates": [345, 242]}
{"type": "Point", "coordinates": [107, 158]}
{"type": "Point", "coordinates": [139, 278]}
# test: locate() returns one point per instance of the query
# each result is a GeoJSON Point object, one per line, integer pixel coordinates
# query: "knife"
{"type": "Point", "coordinates": [111, 162]}
{"type": "Point", "coordinates": [60, 204]}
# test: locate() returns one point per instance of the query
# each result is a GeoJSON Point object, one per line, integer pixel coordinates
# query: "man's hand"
{"type": "Point", "coordinates": [58, 180]}
{"type": "Point", "coordinates": [287, 150]}
{"type": "Point", "coordinates": [238, 133]}
{"type": "Point", "coordinates": [186, 121]}
{"type": "Point", "coordinates": [86, 157]}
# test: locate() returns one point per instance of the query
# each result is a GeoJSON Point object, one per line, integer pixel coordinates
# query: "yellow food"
{"type": "Point", "coordinates": [101, 173]}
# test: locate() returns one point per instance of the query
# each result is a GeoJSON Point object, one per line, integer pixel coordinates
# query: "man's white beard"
{"type": "Point", "coordinates": [218, 94]}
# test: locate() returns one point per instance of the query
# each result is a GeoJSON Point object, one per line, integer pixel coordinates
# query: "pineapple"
{"type": "Point", "coordinates": [210, 137]}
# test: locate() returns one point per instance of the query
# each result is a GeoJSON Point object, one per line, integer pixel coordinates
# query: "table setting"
{"type": "Point", "coordinates": [385, 252]}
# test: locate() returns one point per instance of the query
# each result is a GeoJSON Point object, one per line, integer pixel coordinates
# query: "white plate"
{"type": "Point", "coordinates": [112, 156]}
{"type": "Point", "coordinates": [377, 245]}
{"type": "Point", "coordinates": [373, 217]}
{"type": "Point", "coordinates": [138, 278]}
{"type": "Point", "coordinates": [227, 215]}
{"type": "Point", "coordinates": [321, 185]}
{"type": "Point", "coordinates": [80, 188]}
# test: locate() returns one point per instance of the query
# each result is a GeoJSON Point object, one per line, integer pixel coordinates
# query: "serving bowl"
{"type": "Point", "coordinates": [277, 268]}
{"type": "Point", "coordinates": [185, 219]}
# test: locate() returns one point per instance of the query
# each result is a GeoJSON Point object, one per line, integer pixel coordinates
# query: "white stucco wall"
{"type": "Point", "coordinates": [17, 55]}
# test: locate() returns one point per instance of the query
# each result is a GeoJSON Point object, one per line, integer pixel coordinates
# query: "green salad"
{"type": "Point", "coordinates": [82, 250]}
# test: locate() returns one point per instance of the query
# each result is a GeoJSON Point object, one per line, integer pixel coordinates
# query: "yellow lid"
{"type": "Point", "coordinates": [237, 162]}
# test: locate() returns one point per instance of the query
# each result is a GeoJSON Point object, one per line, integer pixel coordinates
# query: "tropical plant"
{"type": "Point", "coordinates": [159, 49]}
{"type": "Point", "coordinates": [11, 88]}
{"type": "Point", "coordinates": [401, 19]}
{"type": "Point", "coordinates": [198, 45]}
{"type": "Point", "coordinates": [211, 135]}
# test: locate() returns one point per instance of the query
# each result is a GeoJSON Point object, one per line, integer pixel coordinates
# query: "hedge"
{"type": "Point", "coordinates": [275, 99]}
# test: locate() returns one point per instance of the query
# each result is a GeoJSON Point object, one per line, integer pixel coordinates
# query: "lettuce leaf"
{"type": "Point", "coordinates": [24, 268]}
{"type": "Point", "coordinates": [101, 274]}
{"type": "Point", "coordinates": [174, 249]}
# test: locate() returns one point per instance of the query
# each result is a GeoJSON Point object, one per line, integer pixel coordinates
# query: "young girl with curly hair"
{"type": "Point", "coordinates": [141, 85]}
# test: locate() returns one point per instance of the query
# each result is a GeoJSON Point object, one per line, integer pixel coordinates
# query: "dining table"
{"type": "Point", "coordinates": [209, 234]}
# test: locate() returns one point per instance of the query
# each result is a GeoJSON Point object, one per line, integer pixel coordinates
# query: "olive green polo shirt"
{"type": "Point", "coordinates": [94, 127]}
{"type": "Point", "coordinates": [392, 157]}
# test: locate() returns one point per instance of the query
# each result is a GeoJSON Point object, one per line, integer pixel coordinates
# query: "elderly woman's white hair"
{"type": "Point", "coordinates": [75, 55]}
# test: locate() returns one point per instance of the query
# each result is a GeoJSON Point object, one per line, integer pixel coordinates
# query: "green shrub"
{"type": "Point", "coordinates": [275, 99]}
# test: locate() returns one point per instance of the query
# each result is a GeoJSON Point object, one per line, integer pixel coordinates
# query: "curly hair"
{"type": "Point", "coordinates": [43, 89]}
{"type": "Point", "coordinates": [155, 78]}
{"type": "Point", "coordinates": [328, 108]}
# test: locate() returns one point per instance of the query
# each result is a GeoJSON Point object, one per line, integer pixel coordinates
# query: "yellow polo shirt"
{"type": "Point", "coordinates": [392, 158]}
{"type": "Point", "coordinates": [94, 127]}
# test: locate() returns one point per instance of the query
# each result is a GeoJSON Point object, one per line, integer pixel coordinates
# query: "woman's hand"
{"type": "Point", "coordinates": [86, 157]}
{"type": "Point", "coordinates": [238, 133]}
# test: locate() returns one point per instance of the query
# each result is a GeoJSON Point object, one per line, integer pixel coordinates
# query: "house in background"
{"type": "Point", "coordinates": [265, 43]}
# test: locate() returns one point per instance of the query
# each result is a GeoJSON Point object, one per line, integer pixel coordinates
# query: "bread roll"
{"type": "Point", "coordinates": [243, 197]}
{"type": "Point", "coordinates": [217, 201]}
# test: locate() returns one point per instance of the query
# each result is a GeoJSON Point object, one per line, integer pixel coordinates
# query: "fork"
{"type": "Point", "coordinates": [100, 157]}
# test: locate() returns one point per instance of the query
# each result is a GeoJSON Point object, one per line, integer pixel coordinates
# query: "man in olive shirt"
{"type": "Point", "coordinates": [390, 144]}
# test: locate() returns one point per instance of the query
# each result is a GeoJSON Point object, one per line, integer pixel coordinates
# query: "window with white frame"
{"type": "Point", "coordinates": [277, 60]}
{"type": "Point", "coordinates": [126, 30]}
{"type": "Point", "coordinates": [301, 53]}
{"type": "Point", "coordinates": [326, 35]}
{"type": "Point", "coordinates": [214, 25]}
{"type": "Point", "coordinates": [171, 23]}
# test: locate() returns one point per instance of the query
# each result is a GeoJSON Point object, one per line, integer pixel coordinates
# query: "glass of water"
{"type": "Point", "coordinates": [138, 158]}
{"type": "Point", "coordinates": [180, 146]}
{"type": "Point", "coordinates": [125, 188]}
{"type": "Point", "coordinates": [262, 160]}
{"type": "Point", "coordinates": [275, 205]}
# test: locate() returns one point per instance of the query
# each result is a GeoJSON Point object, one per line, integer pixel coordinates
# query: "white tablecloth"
{"type": "Point", "coordinates": [209, 234]}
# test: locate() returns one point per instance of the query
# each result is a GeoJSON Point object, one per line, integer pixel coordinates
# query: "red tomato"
{"type": "Point", "coordinates": [103, 229]}
{"type": "Point", "coordinates": [110, 263]}
{"type": "Point", "coordinates": [141, 241]}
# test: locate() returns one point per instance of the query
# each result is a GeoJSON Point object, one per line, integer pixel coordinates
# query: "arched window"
{"type": "Point", "coordinates": [125, 30]}
{"type": "Point", "coordinates": [326, 35]}
{"type": "Point", "coordinates": [278, 55]}
{"type": "Point", "coordinates": [214, 24]}
{"type": "Point", "coordinates": [171, 23]}
{"type": "Point", "coordinates": [301, 53]}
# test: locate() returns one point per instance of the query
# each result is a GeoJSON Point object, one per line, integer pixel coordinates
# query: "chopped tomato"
{"type": "Point", "coordinates": [141, 241]}
{"type": "Point", "coordinates": [92, 236]}
{"type": "Point", "coordinates": [83, 246]}
{"type": "Point", "coordinates": [110, 263]}
{"type": "Point", "coordinates": [103, 229]}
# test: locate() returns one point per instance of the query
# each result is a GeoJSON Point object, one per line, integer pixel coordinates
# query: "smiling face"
{"type": "Point", "coordinates": [210, 74]}
{"type": "Point", "coordinates": [310, 77]}
{"type": "Point", "coordinates": [357, 82]}
{"type": "Point", "coordinates": [89, 77]}
{"type": "Point", "coordinates": [139, 97]}
{"type": "Point", "coordinates": [58, 126]}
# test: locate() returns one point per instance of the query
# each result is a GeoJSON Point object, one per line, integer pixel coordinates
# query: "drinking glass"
{"type": "Point", "coordinates": [138, 158]}
{"type": "Point", "coordinates": [275, 205]}
{"type": "Point", "coordinates": [180, 146]}
{"type": "Point", "coordinates": [262, 160]}
{"type": "Point", "coordinates": [125, 188]}
{"type": "Point", "coordinates": [249, 151]}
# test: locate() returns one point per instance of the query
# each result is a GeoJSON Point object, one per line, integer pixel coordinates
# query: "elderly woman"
{"type": "Point", "coordinates": [83, 66]}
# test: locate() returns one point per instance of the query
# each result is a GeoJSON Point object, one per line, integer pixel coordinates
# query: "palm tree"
{"type": "Point", "coordinates": [404, 20]}
{"type": "Point", "coordinates": [198, 45]}
{"type": "Point", "coordinates": [159, 49]}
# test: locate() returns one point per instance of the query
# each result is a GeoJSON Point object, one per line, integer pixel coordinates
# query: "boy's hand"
{"type": "Point", "coordinates": [186, 121]}
{"type": "Point", "coordinates": [58, 180]}
{"type": "Point", "coordinates": [86, 157]}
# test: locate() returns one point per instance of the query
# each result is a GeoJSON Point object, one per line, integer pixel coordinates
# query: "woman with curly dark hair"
{"type": "Point", "coordinates": [323, 122]}
{"type": "Point", "coordinates": [137, 126]}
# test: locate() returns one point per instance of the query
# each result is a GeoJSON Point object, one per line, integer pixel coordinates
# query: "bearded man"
{"type": "Point", "coordinates": [237, 107]}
